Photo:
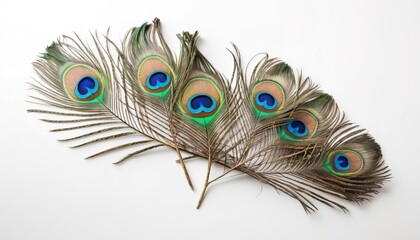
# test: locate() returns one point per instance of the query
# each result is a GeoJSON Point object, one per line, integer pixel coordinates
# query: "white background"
{"type": "Point", "coordinates": [364, 53]}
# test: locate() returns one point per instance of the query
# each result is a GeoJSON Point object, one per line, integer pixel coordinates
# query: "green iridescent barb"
{"type": "Point", "coordinates": [272, 124]}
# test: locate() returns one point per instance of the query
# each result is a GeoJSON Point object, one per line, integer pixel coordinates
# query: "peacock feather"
{"type": "Point", "coordinates": [272, 124]}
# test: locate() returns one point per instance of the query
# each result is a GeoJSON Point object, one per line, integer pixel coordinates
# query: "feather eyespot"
{"type": "Point", "coordinates": [201, 98]}
{"type": "Point", "coordinates": [300, 127]}
{"type": "Point", "coordinates": [344, 162]}
{"type": "Point", "coordinates": [155, 75]}
{"type": "Point", "coordinates": [267, 97]}
{"type": "Point", "coordinates": [82, 83]}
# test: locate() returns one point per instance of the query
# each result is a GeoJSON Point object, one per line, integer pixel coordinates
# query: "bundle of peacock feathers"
{"type": "Point", "coordinates": [274, 125]}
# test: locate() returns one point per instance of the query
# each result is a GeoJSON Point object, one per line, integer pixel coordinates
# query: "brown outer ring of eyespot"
{"type": "Point", "coordinates": [356, 161]}
{"type": "Point", "coordinates": [199, 86]}
{"type": "Point", "coordinates": [308, 119]}
{"type": "Point", "coordinates": [73, 75]}
{"type": "Point", "coordinates": [267, 86]}
{"type": "Point", "coordinates": [150, 65]}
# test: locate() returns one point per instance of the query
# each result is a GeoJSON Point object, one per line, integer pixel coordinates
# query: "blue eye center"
{"type": "Point", "coordinates": [158, 79]}
{"type": "Point", "coordinates": [201, 100]}
{"type": "Point", "coordinates": [341, 162]}
{"type": "Point", "coordinates": [201, 103]}
{"type": "Point", "coordinates": [86, 87]}
{"type": "Point", "coordinates": [266, 100]}
{"type": "Point", "coordinates": [297, 128]}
